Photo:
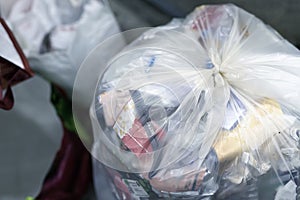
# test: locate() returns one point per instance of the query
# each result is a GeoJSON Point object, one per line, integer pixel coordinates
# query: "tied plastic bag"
{"type": "Point", "coordinates": [14, 67]}
{"type": "Point", "coordinates": [57, 35]}
{"type": "Point", "coordinates": [200, 108]}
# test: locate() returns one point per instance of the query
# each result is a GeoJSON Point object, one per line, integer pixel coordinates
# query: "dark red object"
{"type": "Point", "coordinates": [70, 174]}
{"type": "Point", "coordinates": [11, 74]}
{"type": "Point", "coordinates": [71, 171]}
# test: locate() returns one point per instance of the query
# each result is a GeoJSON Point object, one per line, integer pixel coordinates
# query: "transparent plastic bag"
{"type": "Point", "coordinates": [201, 108]}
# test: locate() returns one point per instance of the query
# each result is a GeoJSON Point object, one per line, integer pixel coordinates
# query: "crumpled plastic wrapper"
{"type": "Point", "coordinates": [199, 109]}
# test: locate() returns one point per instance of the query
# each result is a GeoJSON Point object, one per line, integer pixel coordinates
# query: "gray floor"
{"type": "Point", "coordinates": [29, 137]}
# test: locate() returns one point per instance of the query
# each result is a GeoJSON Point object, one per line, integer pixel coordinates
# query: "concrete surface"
{"type": "Point", "coordinates": [30, 135]}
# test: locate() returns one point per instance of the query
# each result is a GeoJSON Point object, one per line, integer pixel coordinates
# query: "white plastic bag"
{"type": "Point", "coordinates": [57, 35]}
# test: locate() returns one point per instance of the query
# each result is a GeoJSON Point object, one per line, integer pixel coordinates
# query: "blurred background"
{"type": "Point", "coordinates": [281, 15]}
{"type": "Point", "coordinates": [30, 134]}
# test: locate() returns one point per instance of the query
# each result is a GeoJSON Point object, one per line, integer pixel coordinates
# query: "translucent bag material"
{"type": "Point", "coordinates": [201, 108]}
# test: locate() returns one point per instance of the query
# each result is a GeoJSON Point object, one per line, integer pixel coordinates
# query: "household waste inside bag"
{"type": "Point", "coordinates": [201, 108]}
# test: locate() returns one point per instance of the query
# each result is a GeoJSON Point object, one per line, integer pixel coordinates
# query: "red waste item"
{"type": "Point", "coordinates": [138, 141]}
